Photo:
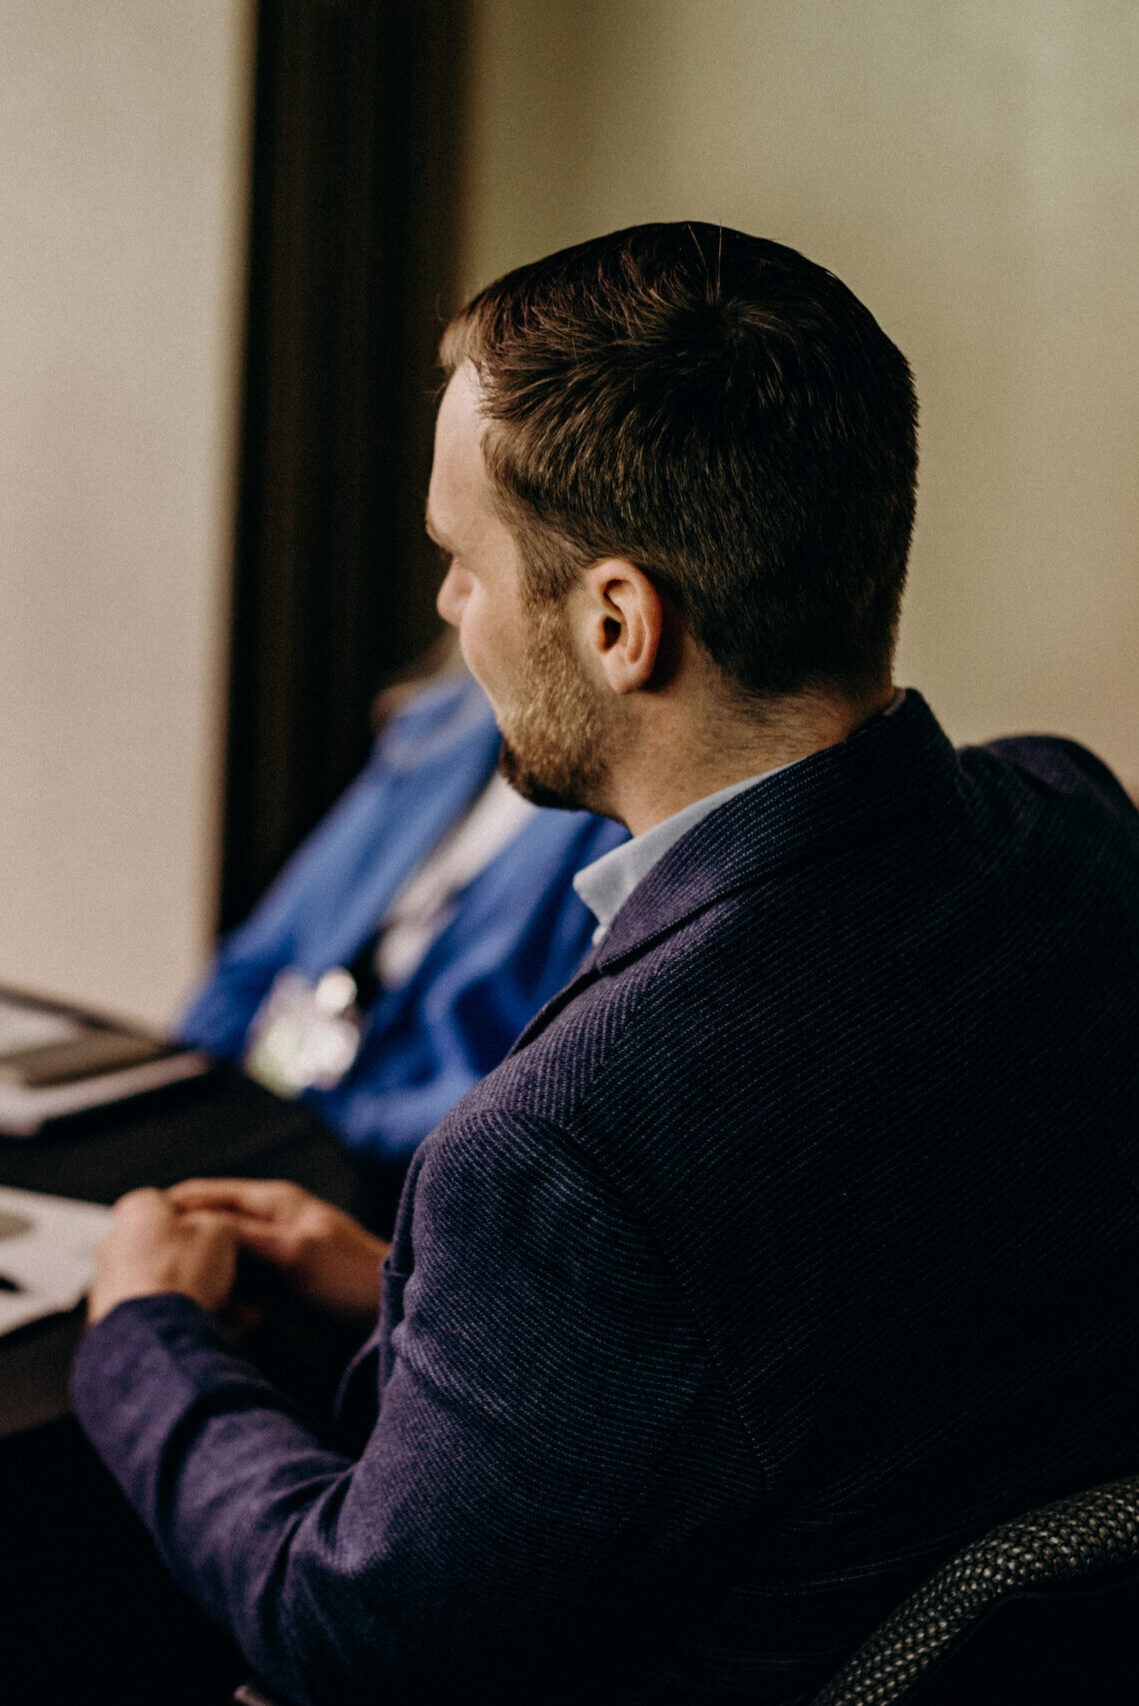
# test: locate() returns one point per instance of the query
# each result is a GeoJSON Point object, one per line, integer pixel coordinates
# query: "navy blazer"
{"type": "Point", "coordinates": [795, 1243]}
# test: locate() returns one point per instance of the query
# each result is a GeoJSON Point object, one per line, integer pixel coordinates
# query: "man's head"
{"type": "Point", "coordinates": [717, 413]}
{"type": "Point", "coordinates": [725, 414]}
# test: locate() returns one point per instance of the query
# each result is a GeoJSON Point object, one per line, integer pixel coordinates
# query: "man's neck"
{"type": "Point", "coordinates": [676, 761]}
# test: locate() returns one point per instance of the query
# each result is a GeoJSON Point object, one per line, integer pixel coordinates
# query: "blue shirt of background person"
{"type": "Point", "coordinates": [512, 937]}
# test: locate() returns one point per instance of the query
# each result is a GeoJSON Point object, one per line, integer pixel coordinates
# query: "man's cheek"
{"type": "Point", "coordinates": [486, 672]}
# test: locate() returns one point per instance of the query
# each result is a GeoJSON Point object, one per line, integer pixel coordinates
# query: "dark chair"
{"type": "Point", "coordinates": [1042, 1610]}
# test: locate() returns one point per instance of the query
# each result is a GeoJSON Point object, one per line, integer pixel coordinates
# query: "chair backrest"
{"type": "Point", "coordinates": [1042, 1609]}
{"type": "Point", "coordinates": [1049, 1597]}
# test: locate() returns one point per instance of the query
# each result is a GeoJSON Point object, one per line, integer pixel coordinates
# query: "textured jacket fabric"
{"type": "Point", "coordinates": [515, 935]}
{"type": "Point", "coordinates": [793, 1244]}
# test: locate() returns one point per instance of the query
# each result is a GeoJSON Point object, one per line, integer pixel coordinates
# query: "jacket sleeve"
{"type": "Point", "coordinates": [540, 1363]}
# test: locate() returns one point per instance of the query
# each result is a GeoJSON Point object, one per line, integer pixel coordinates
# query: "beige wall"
{"type": "Point", "coordinates": [122, 132]}
{"type": "Point", "coordinates": [970, 170]}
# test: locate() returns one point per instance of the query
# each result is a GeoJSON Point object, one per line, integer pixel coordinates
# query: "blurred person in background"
{"type": "Point", "coordinates": [410, 939]}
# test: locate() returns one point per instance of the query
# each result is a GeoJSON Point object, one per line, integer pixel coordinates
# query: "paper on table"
{"type": "Point", "coordinates": [26, 1109]}
{"type": "Point", "coordinates": [29, 1022]}
{"type": "Point", "coordinates": [24, 1024]}
{"type": "Point", "coordinates": [47, 1247]}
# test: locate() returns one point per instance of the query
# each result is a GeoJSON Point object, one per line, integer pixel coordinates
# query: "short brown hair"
{"type": "Point", "coordinates": [723, 413]}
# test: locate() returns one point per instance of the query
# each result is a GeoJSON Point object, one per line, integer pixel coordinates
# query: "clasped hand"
{"type": "Point", "coordinates": [188, 1239]}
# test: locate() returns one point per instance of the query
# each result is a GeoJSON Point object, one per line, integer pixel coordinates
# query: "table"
{"type": "Point", "coordinates": [218, 1124]}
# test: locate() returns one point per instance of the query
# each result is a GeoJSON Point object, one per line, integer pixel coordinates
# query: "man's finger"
{"type": "Point", "coordinates": [265, 1238]}
{"type": "Point", "coordinates": [243, 1196]}
{"type": "Point", "coordinates": [141, 1207]}
{"type": "Point", "coordinates": [206, 1220]}
{"type": "Point", "coordinates": [263, 1234]}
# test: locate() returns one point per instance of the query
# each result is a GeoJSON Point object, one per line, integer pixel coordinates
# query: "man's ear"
{"type": "Point", "coordinates": [623, 619]}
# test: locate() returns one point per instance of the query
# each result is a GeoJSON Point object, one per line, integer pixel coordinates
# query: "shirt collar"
{"type": "Point", "coordinates": [606, 885]}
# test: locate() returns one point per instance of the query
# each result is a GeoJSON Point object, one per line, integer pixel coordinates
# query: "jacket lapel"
{"type": "Point", "coordinates": [586, 974]}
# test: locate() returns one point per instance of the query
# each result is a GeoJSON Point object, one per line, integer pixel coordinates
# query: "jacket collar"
{"type": "Point", "coordinates": [892, 771]}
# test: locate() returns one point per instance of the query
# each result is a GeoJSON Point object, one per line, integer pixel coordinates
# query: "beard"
{"type": "Point", "coordinates": [554, 739]}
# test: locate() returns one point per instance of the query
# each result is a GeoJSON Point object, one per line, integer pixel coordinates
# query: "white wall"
{"type": "Point", "coordinates": [123, 130]}
{"type": "Point", "coordinates": [970, 171]}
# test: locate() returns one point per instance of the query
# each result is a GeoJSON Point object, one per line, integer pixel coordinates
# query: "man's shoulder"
{"type": "Point", "coordinates": [1067, 773]}
{"type": "Point", "coordinates": [806, 893]}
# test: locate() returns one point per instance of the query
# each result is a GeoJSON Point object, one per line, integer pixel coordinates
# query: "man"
{"type": "Point", "coordinates": [795, 1242]}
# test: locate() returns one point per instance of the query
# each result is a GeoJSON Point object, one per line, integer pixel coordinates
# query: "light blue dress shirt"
{"type": "Point", "coordinates": [606, 885]}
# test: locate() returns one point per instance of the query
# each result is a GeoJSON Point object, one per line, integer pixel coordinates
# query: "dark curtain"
{"type": "Point", "coordinates": [357, 130]}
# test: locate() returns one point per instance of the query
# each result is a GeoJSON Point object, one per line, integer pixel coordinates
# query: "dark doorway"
{"type": "Point", "coordinates": [358, 115]}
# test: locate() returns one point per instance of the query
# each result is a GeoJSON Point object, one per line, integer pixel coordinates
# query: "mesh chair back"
{"type": "Point", "coordinates": [1087, 1536]}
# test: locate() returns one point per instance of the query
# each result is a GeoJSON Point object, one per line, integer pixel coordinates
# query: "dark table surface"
{"type": "Point", "coordinates": [221, 1124]}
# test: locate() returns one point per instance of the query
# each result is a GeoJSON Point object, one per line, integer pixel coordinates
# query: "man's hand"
{"type": "Point", "coordinates": [326, 1256]}
{"type": "Point", "coordinates": [152, 1247]}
